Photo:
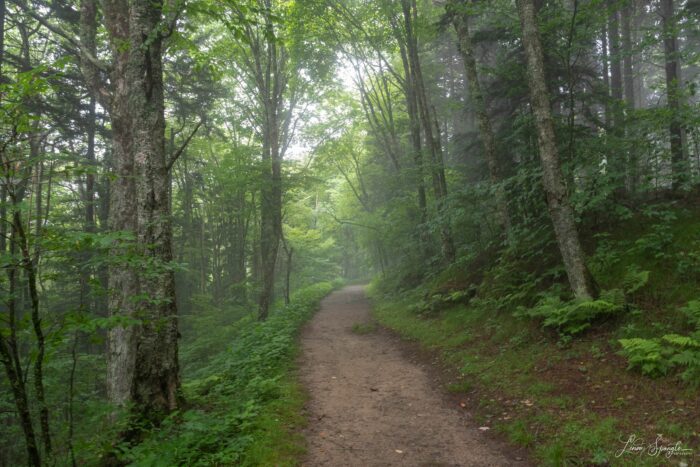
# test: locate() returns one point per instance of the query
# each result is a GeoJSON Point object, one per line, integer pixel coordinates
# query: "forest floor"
{"type": "Point", "coordinates": [373, 402]}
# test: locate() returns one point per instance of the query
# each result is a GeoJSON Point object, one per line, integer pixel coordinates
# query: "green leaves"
{"type": "Point", "coordinates": [230, 402]}
{"type": "Point", "coordinates": [574, 317]}
{"type": "Point", "coordinates": [646, 354]}
{"type": "Point", "coordinates": [655, 357]}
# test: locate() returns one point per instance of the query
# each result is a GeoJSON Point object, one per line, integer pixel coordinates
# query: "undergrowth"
{"type": "Point", "coordinates": [244, 404]}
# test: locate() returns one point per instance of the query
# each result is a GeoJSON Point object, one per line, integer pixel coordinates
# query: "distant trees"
{"type": "Point", "coordinates": [266, 66]}
{"type": "Point", "coordinates": [460, 20]}
{"type": "Point", "coordinates": [596, 144]}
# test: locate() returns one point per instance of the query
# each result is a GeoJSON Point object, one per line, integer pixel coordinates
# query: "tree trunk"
{"type": "Point", "coordinates": [558, 203]}
{"type": "Point", "coordinates": [271, 84]}
{"type": "Point", "coordinates": [270, 211]}
{"type": "Point", "coordinates": [616, 160]}
{"type": "Point", "coordinates": [156, 378]}
{"type": "Point", "coordinates": [615, 64]}
{"type": "Point", "coordinates": [142, 359]}
{"type": "Point", "coordinates": [430, 128]}
{"type": "Point", "coordinates": [606, 74]}
{"type": "Point", "coordinates": [288, 273]}
{"type": "Point", "coordinates": [461, 25]}
{"type": "Point", "coordinates": [672, 67]}
{"type": "Point", "coordinates": [89, 199]}
{"type": "Point", "coordinates": [16, 380]}
{"type": "Point", "coordinates": [416, 146]}
{"type": "Point", "coordinates": [628, 82]}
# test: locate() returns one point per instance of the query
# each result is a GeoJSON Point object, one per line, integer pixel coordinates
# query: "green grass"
{"type": "Point", "coordinates": [364, 328]}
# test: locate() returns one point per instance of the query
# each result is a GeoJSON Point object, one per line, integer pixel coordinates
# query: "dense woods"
{"type": "Point", "coordinates": [181, 181]}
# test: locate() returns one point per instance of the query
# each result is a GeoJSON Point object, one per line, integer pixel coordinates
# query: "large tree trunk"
{"type": "Point", "coordinates": [416, 146]}
{"type": "Point", "coordinates": [558, 203]}
{"type": "Point", "coordinates": [142, 359]}
{"type": "Point", "coordinates": [461, 24]}
{"type": "Point", "coordinates": [672, 67]}
{"type": "Point", "coordinates": [615, 62]}
{"type": "Point", "coordinates": [123, 282]}
{"type": "Point", "coordinates": [157, 380]}
{"type": "Point", "coordinates": [271, 87]}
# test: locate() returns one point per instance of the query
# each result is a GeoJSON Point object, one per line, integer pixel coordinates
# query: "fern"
{"type": "Point", "coordinates": [687, 355]}
{"type": "Point", "coordinates": [692, 311]}
{"type": "Point", "coordinates": [648, 355]}
{"type": "Point", "coordinates": [571, 318]}
{"type": "Point", "coordinates": [682, 341]}
{"type": "Point", "coordinates": [634, 280]}
{"type": "Point", "coordinates": [656, 357]}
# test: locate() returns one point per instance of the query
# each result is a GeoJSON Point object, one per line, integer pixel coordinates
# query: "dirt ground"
{"type": "Point", "coordinates": [370, 405]}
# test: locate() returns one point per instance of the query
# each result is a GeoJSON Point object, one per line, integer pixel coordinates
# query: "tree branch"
{"type": "Point", "coordinates": [75, 48]}
{"type": "Point", "coordinates": [179, 152]}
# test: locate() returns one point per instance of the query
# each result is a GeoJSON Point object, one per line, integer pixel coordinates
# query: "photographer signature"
{"type": "Point", "coordinates": [634, 445]}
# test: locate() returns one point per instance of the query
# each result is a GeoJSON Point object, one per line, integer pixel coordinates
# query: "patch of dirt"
{"type": "Point", "coordinates": [370, 404]}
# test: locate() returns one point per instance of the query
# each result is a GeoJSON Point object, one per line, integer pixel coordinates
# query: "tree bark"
{"type": "Point", "coordinates": [142, 359]}
{"type": "Point", "coordinates": [560, 209]}
{"type": "Point", "coordinates": [270, 72]}
{"type": "Point", "coordinates": [615, 63]}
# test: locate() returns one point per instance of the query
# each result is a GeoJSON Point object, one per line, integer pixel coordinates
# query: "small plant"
{"type": "Point", "coordinates": [687, 355]}
{"type": "Point", "coordinates": [634, 280]}
{"type": "Point", "coordinates": [655, 357]}
{"type": "Point", "coordinates": [692, 311]}
{"type": "Point", "coordinates": [574, 317]}
{"type": "Point", "coordinates": [649, 355]}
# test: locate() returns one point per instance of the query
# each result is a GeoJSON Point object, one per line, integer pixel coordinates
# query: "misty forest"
{"type": "Point", "coordinates": [349, 232]}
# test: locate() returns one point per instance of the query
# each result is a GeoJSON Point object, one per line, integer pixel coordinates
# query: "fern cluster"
{"type": "Point", "coordinates": [574, 317]}
{"type": "Point", "coordinates": [658, 356]}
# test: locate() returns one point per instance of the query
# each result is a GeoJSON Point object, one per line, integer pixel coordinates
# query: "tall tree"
{"type": "Point", "coordinates": [429, 124]}
{"type": "Point", "coordinates": [673, 90]}
{"type": "Point", "coordinates": [460, 20]}
{"type": "Point", "coordinates": [560, 210]}
{"type": "Point", "coordinates": [142, 358]}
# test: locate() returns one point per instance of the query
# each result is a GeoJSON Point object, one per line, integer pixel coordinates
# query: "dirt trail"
{"type": "Point", "coordinates": [369, 405]}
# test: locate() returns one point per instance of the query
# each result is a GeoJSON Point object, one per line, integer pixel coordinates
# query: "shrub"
{"type": "Point", "coordinates": [573, 317]}
{"type": "Point", "coordinates": [232, 404]}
